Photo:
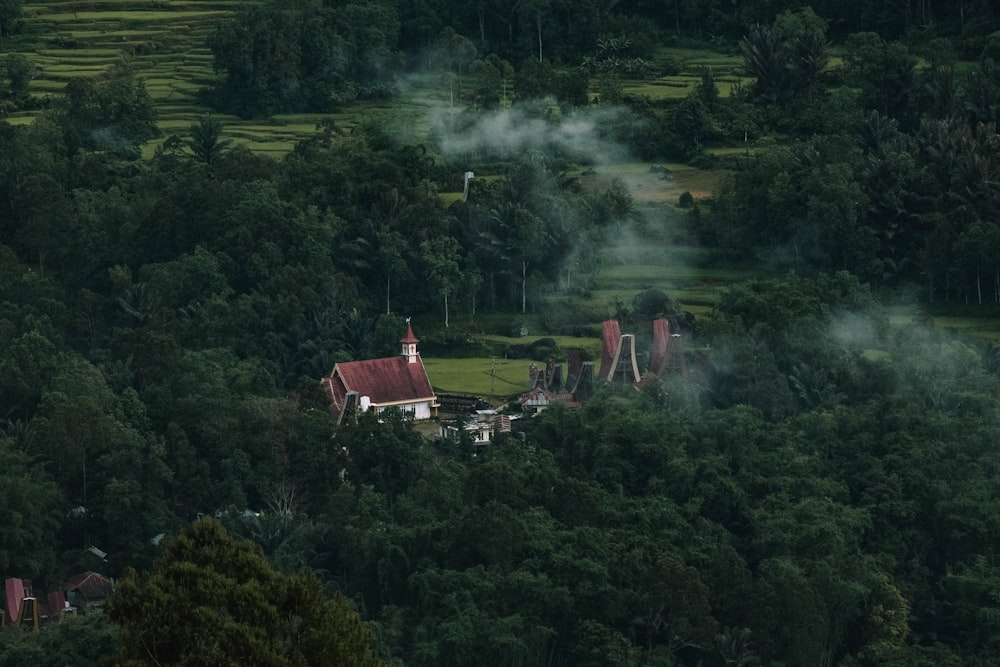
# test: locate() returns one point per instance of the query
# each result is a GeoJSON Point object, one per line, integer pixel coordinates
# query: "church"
{"type": "Point", "coordinates": [378, 384]}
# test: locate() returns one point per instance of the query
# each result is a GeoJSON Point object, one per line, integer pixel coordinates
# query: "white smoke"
{"type": "Point", "coordinates": [581, 135]}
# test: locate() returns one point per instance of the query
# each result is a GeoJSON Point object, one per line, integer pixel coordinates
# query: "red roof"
{"type": "Point", "coordinates": [409, 337]}
{"type": "Point", "coordinates": [611, 337]}
{"type": "Point", "coordinates": [385, 381]}
{"type": "Point", "coordinates": [91, 584]}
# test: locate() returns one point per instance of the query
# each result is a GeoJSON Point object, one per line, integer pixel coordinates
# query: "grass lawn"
{"type": "Point", "coordinates": [591, 346]}
{"type": "Point", "coordinates": [987, 328]}
{"type": "Point", "coordinates": [493, 379]}
{"type": "Point", "coordinates": [649, 187]}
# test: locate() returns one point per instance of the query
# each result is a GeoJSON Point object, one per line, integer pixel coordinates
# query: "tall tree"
{"type": "Point", "coordinates": [211, 600]}
{"type": "Point", "coordinates": [442, 257]}
{"type": "Point", "coordinates": [112, 113]}
{"type": "Point", "coordinates": [206, 140]}
{"type": "Point", "coordinates": [30, 502]}
{"type": "Point", "coordinates": [11, 12]}
{"type": "Point", "coordinates": [886, 74]}
{"type": "Point", "coordinates": [20, 72]}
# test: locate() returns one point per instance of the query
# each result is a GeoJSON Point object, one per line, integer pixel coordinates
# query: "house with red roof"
{"type": "Point", "coordinates": [378, 384]}
{"type": "Point", "coordinates": [87, 591]}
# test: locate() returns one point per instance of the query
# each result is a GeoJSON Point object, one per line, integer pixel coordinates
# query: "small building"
{"type": "Point", "coordinates": [87, 591]}
{"type": "Point", "coordinates": [379, 384]}
{"type": "Point", "coordinates": [482, 430]}
{"type": "Point", "coordinates": [539, 398]}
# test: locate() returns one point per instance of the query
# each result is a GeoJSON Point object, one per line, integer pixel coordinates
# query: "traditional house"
{"type": "Point", "coordinates": [21, 607]}
{"type": "Point", "coordinates": [378, 384]}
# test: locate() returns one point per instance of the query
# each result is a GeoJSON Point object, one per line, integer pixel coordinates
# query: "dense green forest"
{"type": "Point", "coordinates": [820, 489]}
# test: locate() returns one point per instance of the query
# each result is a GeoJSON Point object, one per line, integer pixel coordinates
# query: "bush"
{"type": "Point", "coordinates": [544, 349]}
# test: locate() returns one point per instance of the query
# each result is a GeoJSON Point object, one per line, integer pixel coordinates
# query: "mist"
{"type": "Point", "coordinates": [582, 135]}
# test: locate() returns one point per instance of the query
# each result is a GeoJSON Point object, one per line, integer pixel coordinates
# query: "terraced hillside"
{"type": "Point", "coordinates": [164, 40]}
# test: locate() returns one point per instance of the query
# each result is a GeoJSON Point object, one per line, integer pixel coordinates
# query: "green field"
{"type": "Point", "coordinates": [493, 379]}
{"type": "Point", "coordinates": [987, 328]}
{"type": "Point", "coordinates": [498, 378]}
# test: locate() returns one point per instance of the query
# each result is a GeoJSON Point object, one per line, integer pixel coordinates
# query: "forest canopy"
{"type": "Point", "coordinates": [818, 489]}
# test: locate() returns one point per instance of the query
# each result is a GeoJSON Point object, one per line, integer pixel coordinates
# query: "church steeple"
{"type": "Point", "coordinates": [409, 343]}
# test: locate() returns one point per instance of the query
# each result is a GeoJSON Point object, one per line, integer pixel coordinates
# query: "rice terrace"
{"type": "Point", "coordinates": [165, 42]}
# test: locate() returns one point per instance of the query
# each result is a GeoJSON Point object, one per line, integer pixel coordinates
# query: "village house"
{"type": "Point", "coordinates": [82, 593]}
{"type": "Point", "coordinates": [481, 429]}
{"type": "Point", "coordinates": [379, 384]}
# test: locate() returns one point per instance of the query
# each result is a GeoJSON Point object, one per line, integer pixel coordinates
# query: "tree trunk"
{"type": "Point", "coordinates": [538, 26]}
{"type": "Point", "coordinates": [524, 287]}
{"type": "Point", "coordinates": [446, 309]}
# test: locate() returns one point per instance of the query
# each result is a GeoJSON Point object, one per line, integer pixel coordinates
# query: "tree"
{"type": "Point", "coordinates": [20, 72]}
{"type": "Point", "coordinates": [492, 77]}
{"type": "Point", "coordinates": [42, 205]}
{"type": "Point", "coordinates": [29, 502]}
{"type": "Point", "coordinates": [75, 641]}
{"type": "Point", "coordinates": [803, 38]}
{"type": "Point", "coordinates": [260, 56]}
{"type": "Point", "coordinates": [442, 257]}
{"type": "Point", "coordinates": [787, 57]}
{"type": "Point", "coordinates": [537, 10]}
{"type": "Point", "coordinates": [533, 79]}
{"type": "Point", "coordinates": [451, 53]}
{"type": "Point", "coordinates": [384, 451]}
{"type": "Point", "coordinates": [205, 141]}
{"type": "Point", "coordinates": [520, 239]}
{"type": "Point", "coordinates": [763, 61]}
{"type": "Point", "coordinates": [112, 113]}
{"type": "Point", "coordinates": [211, 600]}
{"type": "Point", "coordinates": [886, 74]}
{"type": "Point", "coordinates": [11, 12]}
{"type": "Point", "coordinates": [979, 247]}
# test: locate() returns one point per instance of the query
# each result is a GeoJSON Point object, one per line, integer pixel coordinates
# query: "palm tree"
{"type": "Point", "coordinates": [205, 140]}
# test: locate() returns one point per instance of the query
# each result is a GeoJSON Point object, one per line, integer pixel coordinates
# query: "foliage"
{"type": "Point", "coordinates": [30, 500]}
{"type": "Point", "coordinates": [74, 641]}
{"type": "Point", "coordinates": [211, 600]}
{"type": "Point", "coordinates": [19, 73]}
{"type": "Point", "coordinates": [205, 141]}
{"type": "Point", "coordinates": [112, 113]}
{"type": "Point", "coordinates": [818, 490]}
{"type": "Point", "coordinates": [303, 58]}
{"type": "Point", "coordinates": [11, 13]}
{"type": "Point", "coordinates": [786, 58]}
